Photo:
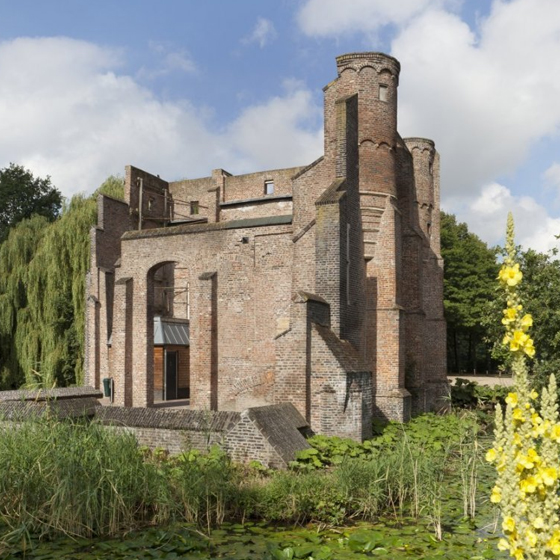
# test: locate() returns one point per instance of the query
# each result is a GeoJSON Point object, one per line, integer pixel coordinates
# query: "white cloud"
{"type": "Point", "coordinates": [484, 100]}
{"type": "Point", "coordinates": [334, 18]}
{"type": "Point", "coordinates": [265, 132]}
{"type": "Point", "coordinates": [486, 95]}
{"type": "Point", "coordinates": [487, 214]}
{"type": "Point", "coordinates": [263, 33]}
{"type": "Point", "coordinates": [67, 112]}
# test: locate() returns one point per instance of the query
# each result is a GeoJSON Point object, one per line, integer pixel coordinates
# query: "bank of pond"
{"type": "Point", "coordinates": [78, 490]}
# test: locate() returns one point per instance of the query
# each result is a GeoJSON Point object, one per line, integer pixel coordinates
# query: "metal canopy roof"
{"type": "Point", "coordinates": [171, 332]}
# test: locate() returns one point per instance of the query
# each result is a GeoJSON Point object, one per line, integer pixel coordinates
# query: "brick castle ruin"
{"type": "Point", "coordinates": [320, 286]}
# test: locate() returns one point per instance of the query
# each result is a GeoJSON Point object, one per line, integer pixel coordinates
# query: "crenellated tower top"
{"type": "Point", "coordinates": [378, 61]}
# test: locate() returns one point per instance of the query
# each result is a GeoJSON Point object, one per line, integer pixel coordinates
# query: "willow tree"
{"type": "Point", "coordinates": [42, 295]}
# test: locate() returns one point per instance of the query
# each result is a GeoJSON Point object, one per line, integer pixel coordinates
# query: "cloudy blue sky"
{"type": "Point", "coordinates": [179, 87]}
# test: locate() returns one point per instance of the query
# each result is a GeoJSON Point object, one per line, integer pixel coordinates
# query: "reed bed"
{"type": "Point", "coordinates": [82, 479]}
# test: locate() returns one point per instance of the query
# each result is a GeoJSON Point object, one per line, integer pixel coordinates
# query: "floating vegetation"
{"type": "Point", "coordinates": [260, 541]}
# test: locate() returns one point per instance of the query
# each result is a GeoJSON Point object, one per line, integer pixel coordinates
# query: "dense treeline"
{"type": "Point", "coordinates": [470, 271]}
{"type": "Point", "coordinates": [42, 294]}
{"type": "Point", "coordinates": [474, 306]}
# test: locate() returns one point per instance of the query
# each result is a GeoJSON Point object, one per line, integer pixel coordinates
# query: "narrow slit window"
{"type": "Point", "coordinates": [383, 92]}
{"type": "Point", "coordinates": [347, 264]}
{"type": "Point", "coordinates": [194, 207]}
{"type": "Point", "coordinates": [269, 187]}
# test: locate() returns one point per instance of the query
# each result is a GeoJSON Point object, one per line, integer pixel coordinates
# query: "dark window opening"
{"type": "Point", "coordinates": [194, 206]}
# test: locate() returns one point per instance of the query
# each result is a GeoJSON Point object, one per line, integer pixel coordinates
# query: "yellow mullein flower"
{"type": "Point", "coordinates": [518, 341]}
{"type": "Point", "coordinates": [510, 315]}
{"type": "Point", "coordinates": [530, 538]}
{"type": "Point", "coordinates": [555, 433]}
{"type": "Point", "coordinates": [526, 489]}
{"type": "Point", "coordinates": [529, 349]}
{"type": "Point", "coordinates": [496, 496]}
{"type": "Point", "coordinates": [508, 524]}
{"type": "Point", "coordinates": [491, 455]}
{"type": "Point", "coordinates": [518, 415]}
{"type": "Point", "coordinates": [503, 545]}
{"type": "Point", "coordinates": [554, 544]}
{"type": "Point", "coordinates": [529, 485]}
{"type": "Point", "coordinates": [549, 476]}
{"type": "Point", "coordinates": [528, 461]}
{"type": "Point", "coordinates": [526, 322]}
{"type": "Point", "coordinates": [510, 275]}
{"type": "Point", "coordinates": [533, 455]}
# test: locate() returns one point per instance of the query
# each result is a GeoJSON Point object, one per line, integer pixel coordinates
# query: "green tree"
{"type": "Point", "coordinates": [23, 195]}
{"type": "Point", "coordinates": [470, 271]}
{"type": "Point", "coordinates": [42, 294]}
{"type": "Point", "coordinates": [541, 295]}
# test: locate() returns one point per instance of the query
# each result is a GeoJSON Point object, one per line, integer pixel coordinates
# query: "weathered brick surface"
{"type": "Point", "coordinates": [325, 293]}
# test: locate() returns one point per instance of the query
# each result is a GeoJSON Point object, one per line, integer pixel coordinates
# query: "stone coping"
{"type": "Point", "coordinates": [191, 420]}
{"type": "Point", "coordinates": [50, 394]}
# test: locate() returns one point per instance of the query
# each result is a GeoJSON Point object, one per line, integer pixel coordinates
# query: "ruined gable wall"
{"type": "Point", "coordinates": [240, 187]}
{"type": "Point", "coordinates": [190, 190]}
{"type": "Point", "coordinates": [152, 201]}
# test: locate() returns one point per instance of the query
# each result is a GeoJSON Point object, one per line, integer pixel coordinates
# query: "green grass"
{"type": "Point", "coordinates": [82, 480]}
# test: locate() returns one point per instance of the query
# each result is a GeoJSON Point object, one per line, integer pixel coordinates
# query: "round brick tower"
{"type": "Point", "coordinates": [426, 163]}
{"type": "Point", "coordinates": [374, 77]}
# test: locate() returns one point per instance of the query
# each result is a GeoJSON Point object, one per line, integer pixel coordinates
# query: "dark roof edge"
{"type": "Point", "coordinates": [259, 200]}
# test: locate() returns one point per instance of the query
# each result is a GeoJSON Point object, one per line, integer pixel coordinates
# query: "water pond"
{"type": "Point", "coordinates": [259, 541]}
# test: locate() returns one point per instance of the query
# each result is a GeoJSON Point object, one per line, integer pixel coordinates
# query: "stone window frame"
{"type": "Point", "coordinates": [383, 93]}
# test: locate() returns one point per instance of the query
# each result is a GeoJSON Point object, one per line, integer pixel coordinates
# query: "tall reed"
{"type": "Point", "coordinates": [75, 478]}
